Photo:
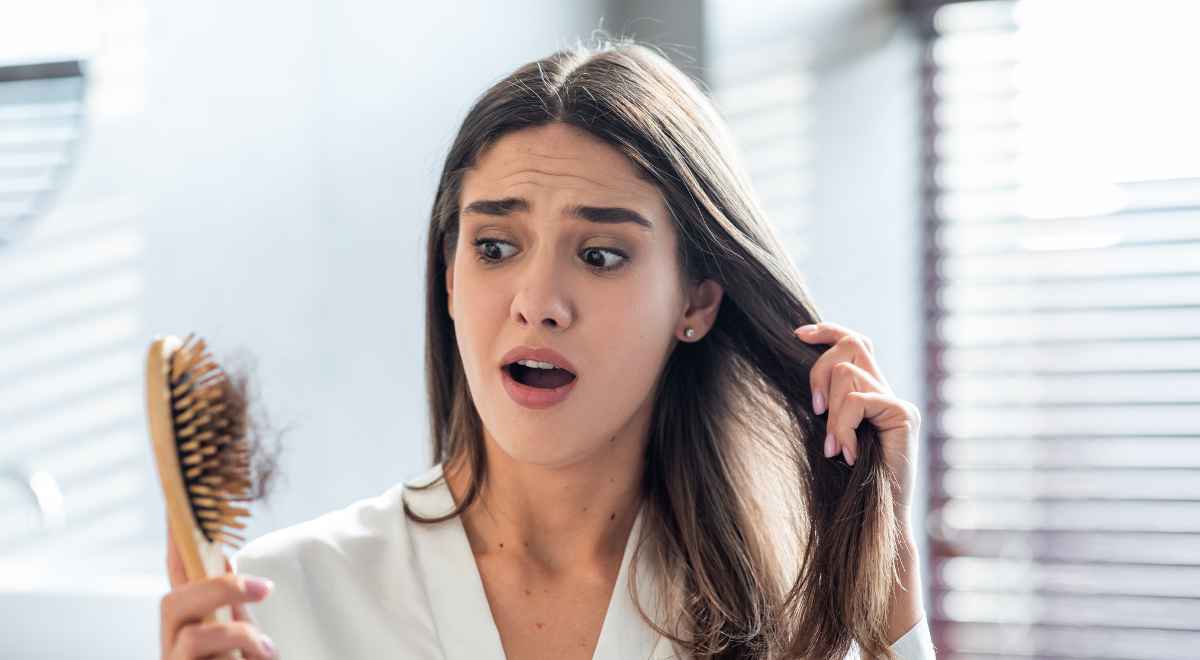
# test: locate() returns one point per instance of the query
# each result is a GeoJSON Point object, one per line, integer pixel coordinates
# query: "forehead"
{"type": "Point", "coordinates": [560, 156]}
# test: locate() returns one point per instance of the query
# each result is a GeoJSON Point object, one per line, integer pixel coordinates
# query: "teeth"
{"type": "Point", "coordinates": [535, 364]}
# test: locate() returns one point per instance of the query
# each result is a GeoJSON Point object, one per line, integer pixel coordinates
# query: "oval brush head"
{"type": "Point", "coordinates": [197, 428]}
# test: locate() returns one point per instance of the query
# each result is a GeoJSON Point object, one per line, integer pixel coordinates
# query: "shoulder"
{"type": "Point", "coordinates": [346, 536]}
{"type": "Point", "coordinates": [324, 541]}
{"type": "Point", "coordinates": [340, 577]}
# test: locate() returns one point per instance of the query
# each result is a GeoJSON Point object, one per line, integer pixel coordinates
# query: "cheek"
{"type": "Point", "coordinates": [650, 302]}
{"type": "Point", "coordinates": [479, 310]}
{"type": "Point", "coordinates": [637, 322]}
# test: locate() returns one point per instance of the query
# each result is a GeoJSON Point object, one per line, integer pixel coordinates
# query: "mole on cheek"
{"type": "Point", "coordinates": [539, 625]}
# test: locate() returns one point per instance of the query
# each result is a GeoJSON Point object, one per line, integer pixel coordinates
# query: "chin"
{"type": "Point", "coordinates": [541, 449]}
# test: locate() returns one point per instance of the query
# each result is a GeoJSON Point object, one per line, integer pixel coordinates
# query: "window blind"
{"type": "Point", "coordinates": [41, 110]}
{"type": "Point", "coordinates": [1062, 202]}
{"type": "Point", "coordinates": [75, 465]}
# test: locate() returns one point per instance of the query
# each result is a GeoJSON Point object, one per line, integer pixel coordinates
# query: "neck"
{"type": "Point", "coordinates": [563, 519]}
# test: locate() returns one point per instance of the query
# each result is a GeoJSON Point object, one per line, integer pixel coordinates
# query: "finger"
{"type": "Point", "coordinates": [818, 375]}
{"type": "Point", "coordinates": [863, 356]}
{"type": "Point", "coordinates": [239, 610]}
{"type": "Point", "coordinates": [824, 332]}
{"type": "Point", "coordinates": [192, 602]}
{"type": "Point", "coordinates": [850, 352]}
{"type": "Point", "coordinates": [219, 639]}
{"type": "Point", "coordinates": [885, 412]}
{"type": "Point", "coordinates": [847, 347]}
{"type": "Point", "coordinates": [240, 613]}
{"type": "Point", "coordinates": [847, 378]}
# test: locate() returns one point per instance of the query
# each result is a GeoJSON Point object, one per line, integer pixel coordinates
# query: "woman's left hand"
{"type": "Point", "coordinates": [846, 381]}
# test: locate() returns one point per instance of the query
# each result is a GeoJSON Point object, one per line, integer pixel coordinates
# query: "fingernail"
{"type": "Point", "coordinates": [830, 446]}
{"type": "Point", "coordinates": [846, 455]}
{"type": "Point", "coordinates": [268, 648]}
{"type": "Point", "coordinates": [258, 587]}
{"type": "Point", "coordinates": [818, 402]}
{"type": "Point", "coordinates": [806, 328]}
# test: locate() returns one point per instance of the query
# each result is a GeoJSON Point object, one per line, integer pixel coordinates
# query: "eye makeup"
{"type": "Point", "coordinates": [487, 251]}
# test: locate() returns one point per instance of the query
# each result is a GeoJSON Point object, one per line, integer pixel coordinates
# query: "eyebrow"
{"type": "Point", "coordinates": [599, 214]}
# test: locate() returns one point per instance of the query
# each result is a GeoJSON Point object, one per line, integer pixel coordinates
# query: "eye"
{"type": "Point", "coordinates": [487, 249]}
{"type": "Point", "coordinates": [603, 264]}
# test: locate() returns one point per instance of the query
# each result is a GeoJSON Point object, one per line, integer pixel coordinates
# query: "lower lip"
{"type": "Point", "coordinates": [535, 397]}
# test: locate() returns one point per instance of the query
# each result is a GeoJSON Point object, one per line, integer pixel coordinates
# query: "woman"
{"type": "Point", "coordinates": [645, 443]}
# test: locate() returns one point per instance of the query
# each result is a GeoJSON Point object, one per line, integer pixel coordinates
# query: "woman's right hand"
{"type": "Point", "coordinates": [183, 633]}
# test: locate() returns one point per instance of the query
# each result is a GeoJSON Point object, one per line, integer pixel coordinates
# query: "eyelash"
{"type": "Point", "coordinates": [600, 269]}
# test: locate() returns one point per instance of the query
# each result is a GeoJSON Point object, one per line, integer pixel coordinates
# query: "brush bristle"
{"type": "Point", "coordinates": [210, 429]}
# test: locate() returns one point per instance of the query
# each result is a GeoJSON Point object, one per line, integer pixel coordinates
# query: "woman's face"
{"type": "Point", "coordinates": [606, 293]}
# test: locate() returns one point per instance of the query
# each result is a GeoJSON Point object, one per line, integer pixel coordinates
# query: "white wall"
{"type": "Point", "coordinates": [284, 163]}
{"type": "Point", "coordinates": [297, 148]}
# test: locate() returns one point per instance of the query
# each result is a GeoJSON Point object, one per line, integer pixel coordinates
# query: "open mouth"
{"type": "Point", "coordinates": [540, 378]}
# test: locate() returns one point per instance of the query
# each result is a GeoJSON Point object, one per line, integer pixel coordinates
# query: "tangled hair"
{"type": "Point", "coordinates": [264, 442]}
{"type": "Point", "coordinates": [765, 547]}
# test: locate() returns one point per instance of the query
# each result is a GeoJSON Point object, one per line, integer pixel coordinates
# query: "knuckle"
{"type": "Point", "coordinates": [250, 633]}
{"type": "Point", "coordinates": [914, 414]}
{"type": "Point", "coordinates": [859, 342]}
{"type": "Point", "coordinates": [187, 643]}
{"type": "Point", "coordinates": [233, 586]}
{"type": "Point", "coordinates": [168, 604]}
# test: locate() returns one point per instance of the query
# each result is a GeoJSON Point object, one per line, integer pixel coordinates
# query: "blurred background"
{"type": "Point", "coordinates": [1003, 195]}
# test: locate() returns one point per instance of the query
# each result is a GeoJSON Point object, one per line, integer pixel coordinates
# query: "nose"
{"type": "Point", "coordinates": [541, 298]}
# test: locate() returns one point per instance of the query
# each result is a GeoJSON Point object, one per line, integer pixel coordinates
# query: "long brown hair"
{"type": "Point", "coordinates": [766, 548]}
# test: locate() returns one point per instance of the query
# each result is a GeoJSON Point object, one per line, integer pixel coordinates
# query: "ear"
{"type": "Point", "coordinates": [704, 300]}
{"type": "Point", "coordinates": [450, 289]}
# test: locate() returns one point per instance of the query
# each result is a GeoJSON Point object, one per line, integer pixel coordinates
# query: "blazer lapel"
{"type": "Point", "coordinates": [458, 603]}
{"type": "Point", "coordinates": [624, 635]}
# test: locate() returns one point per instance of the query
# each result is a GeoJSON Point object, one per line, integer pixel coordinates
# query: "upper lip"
{"type": "Point", "coordinates": [541, 354]}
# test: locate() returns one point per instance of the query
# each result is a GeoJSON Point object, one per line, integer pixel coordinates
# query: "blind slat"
{"type": "Point", "coordinates": [1045, 420]}
{"type": "Point", "coordinates": [1020, 483]}
{"type": "Point", "coordinates": [1073, 452]}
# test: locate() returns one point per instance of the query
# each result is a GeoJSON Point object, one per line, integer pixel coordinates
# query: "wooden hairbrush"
{"type": "Point", "coordinates": [197, 423]}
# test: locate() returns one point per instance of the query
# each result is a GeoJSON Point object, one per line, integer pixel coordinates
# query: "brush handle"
{"type": "Point", "coordinates": [213, 561]}
{"type": "Point", "coordinates": [200, 558]}
{"type": "Point", "coordinates": [209, 561]}
{"type": "Point", "coordinates": [214, 564]}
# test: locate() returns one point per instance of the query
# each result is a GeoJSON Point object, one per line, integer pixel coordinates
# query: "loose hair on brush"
{"type": "Point", "coordinates": [264, 442]}
{"type": "Point", "coordinates": [765, 547]}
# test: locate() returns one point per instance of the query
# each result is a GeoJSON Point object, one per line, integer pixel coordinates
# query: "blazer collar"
{"type": "Point", "coordinates": [459, 605]}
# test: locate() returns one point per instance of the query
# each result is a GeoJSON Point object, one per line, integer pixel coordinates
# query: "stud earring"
{"type": "Point", "coordinates": [689, 333]}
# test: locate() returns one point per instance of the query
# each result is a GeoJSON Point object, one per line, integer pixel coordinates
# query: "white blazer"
{"type": "Point", "coordinates": [366, 582]}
